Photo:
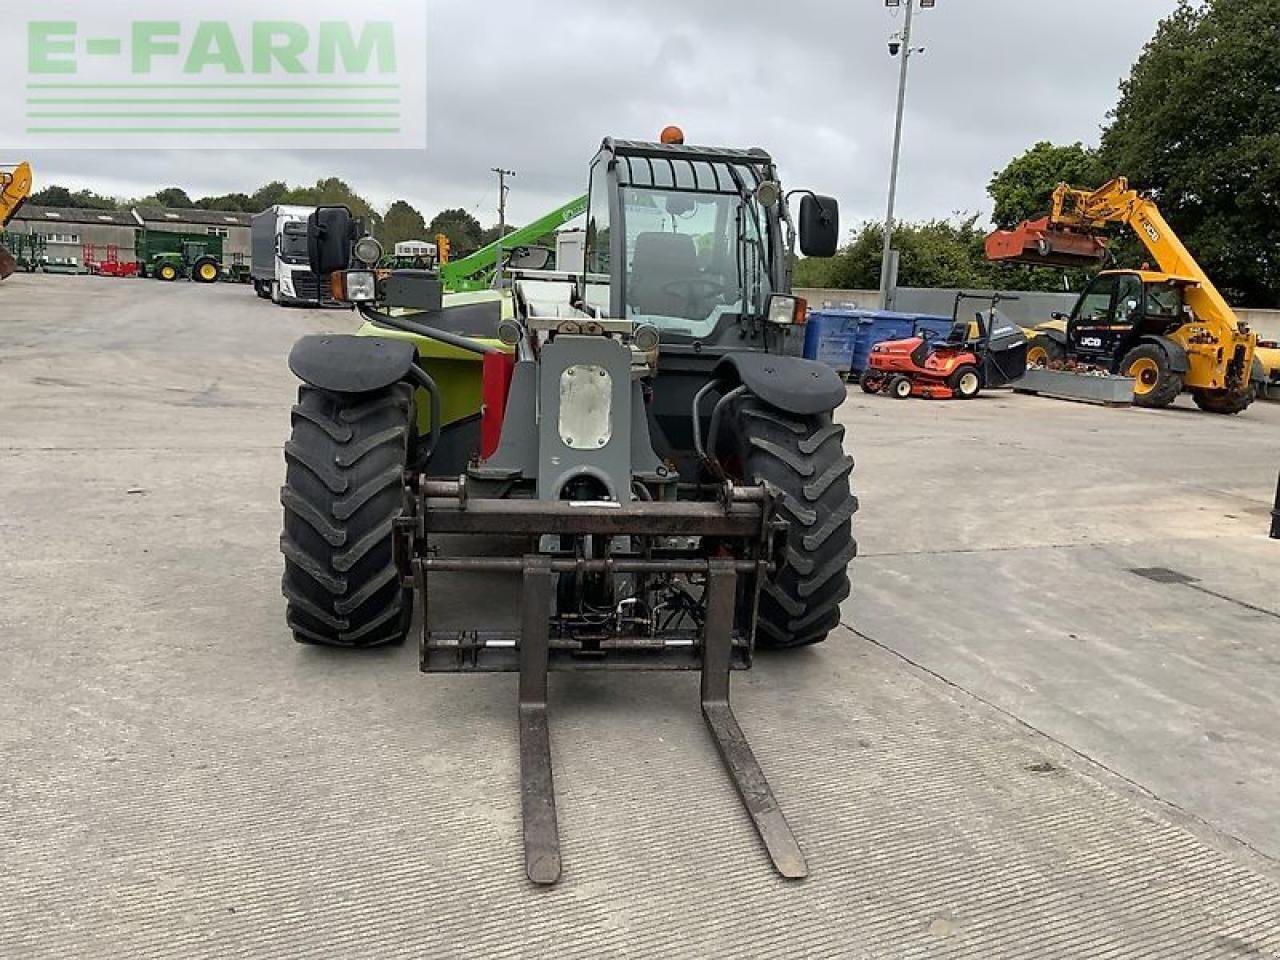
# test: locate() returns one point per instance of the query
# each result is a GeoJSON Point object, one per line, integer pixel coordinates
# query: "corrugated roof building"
{"type": "Point", "coordinates": [75, 235]}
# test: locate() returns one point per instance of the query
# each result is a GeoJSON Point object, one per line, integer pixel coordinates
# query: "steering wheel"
{"type": "Point", "coordinates": [709, 288]}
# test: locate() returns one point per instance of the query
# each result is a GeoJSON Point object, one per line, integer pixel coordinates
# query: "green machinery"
{"type": "Point", "coordinates": [28, 249]}
{"type": "Point", "coordinates": [476, 272]}
{"type": "Point", "coordinates": [168, 256]}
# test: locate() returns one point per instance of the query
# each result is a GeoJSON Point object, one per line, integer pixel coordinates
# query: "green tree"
{"type": "Point", "coordinates": [174, 197]}
{"type": "Point", "coordinates": [334, 191]}
{"type": "Point", "coordinates": [1198, 123]}
{"type": "Point", "coordinates": [463, 230]}
{"type": "Point", "coordinates": [402, 222]}
{"type": "Point", "coordinates": [227, 201]}
{"type": "Point", "coordinates": [56, 196]}
{"type": "Point", "coordinates": [935, 253]}
{"type": "Point", "coordinates": [1023, 190]}
{"type": "Point", "coordinates": [268, 195]}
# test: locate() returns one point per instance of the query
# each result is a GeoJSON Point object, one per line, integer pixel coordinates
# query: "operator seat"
{"type": "Point", "coordinates": [660, 260]}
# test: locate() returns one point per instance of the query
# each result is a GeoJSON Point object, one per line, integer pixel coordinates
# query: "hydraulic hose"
{"type": "Point", "coordinates": [422, 330]}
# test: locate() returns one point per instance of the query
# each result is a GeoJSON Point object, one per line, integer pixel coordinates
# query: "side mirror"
{"type": "Point", "coordinates": [1058, 316]}
{"type": "Point", "coordinates": [530, 258]}
{"type": "Point", "coordinates": [330, 232]}
{"type": "Point", "coordinates": [819, 226]}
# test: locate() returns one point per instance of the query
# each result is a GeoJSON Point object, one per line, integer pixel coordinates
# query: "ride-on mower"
{"type": "Point", "coordinates": [646, 427]}
{"type": "Point", "coordinates": [984, 353]}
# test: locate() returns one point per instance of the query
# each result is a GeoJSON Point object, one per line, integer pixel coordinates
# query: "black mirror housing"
{"type": "Point", "coordinates": [819, 226]}
{"type": "Point", "coordinates": [530, 258]}
{"type": "Point", "coordinates": [330, 235]}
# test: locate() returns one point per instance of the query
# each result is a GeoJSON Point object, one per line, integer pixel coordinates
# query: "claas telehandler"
{"type": "Point", "coordinates": [645, 427]}
{"type": "Point", "coordinates": [1171, 330]}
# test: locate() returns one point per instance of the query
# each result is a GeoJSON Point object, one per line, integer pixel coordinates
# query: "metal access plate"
{"type": "Point", "coordinates": [586, 406]}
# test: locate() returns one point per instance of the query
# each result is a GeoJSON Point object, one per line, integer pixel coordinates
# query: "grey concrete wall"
{"type": "Point", "coordinates": [1033, 307]}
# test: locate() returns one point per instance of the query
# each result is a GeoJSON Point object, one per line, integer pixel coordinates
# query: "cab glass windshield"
{"type": "Point", "coordinates": [293, 243]}
{"type": "Point", "coordinates": [692, 258]}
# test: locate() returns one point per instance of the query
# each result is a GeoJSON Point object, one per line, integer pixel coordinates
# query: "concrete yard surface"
{"type": "Point", "coordinates": [1015, 747]}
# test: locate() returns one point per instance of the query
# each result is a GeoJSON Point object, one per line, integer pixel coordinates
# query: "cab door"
{"type": "Point", "coordinates": [1106, 315]}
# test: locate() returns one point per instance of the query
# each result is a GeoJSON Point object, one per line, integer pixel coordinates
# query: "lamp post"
{"type": "Point", "coordinates": [899, 46]}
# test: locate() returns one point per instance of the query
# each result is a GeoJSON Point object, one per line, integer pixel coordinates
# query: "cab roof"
{"type": "Point", "coordinates": [640, 148]}
{"type": "Point", "coordinates": [1153, 276]}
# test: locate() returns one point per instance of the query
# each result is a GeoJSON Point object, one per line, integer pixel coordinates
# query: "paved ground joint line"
{"type": "Point", "coordinates": [1140, 787]}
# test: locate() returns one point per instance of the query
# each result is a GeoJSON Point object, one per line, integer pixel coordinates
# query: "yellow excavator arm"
{"type": "Point", "coordinates": [15, 187]}
{"type": "Point", "coordinates": [1090, 211]}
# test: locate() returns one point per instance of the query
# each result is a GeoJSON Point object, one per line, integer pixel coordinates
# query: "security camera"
{"type": "Point", "coordinates": [894, 47]}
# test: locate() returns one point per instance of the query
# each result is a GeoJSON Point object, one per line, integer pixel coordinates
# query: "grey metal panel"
{"type": "Point", "coordinates": [557, 462]}
{"type": "Point", "coordinates": [1029, 309]}
{"type": "Point", "coordinates": [263, 244]}
{"type": "Point", "coordinates": [1112, 391]}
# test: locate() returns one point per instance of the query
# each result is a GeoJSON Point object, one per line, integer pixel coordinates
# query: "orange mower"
{"type": "Point", "coordinates": [980, 354]}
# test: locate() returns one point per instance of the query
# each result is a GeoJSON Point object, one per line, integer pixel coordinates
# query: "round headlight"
{"type": "Point", "coordinates": [509, 332]}
{"type": "Point", "coordinates": [645, 338]}
{"type": "Point", "coordinates": [368, 251]}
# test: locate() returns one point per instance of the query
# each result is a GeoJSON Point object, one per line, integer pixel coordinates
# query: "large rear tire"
{"type": "Point", "coordinates": [343, 492]}
{"type": "Point", "coordinates": [205, 270]}
{"type": "Point", "coordinates": [1155, 383]}
{"type": "Point", "coordinates": [1223, 402]}
{"type": "Point", "coordinates": [803, 460]}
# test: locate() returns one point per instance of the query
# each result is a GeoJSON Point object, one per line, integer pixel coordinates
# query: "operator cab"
{"type": "Point", "coordinates": [691, 240]}
{"type": "Point", "coordinates": [1119, 307]}
{"type": "Point", "coordinates": [293, 242]}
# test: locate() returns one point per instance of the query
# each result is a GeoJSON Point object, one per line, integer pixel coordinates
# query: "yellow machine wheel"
{"type": "Point", "coordinates": [1146, 375]}
{"type": "Point", "coordinates": [1155, 383]}
{"type": "Point", "coordinates": [168, 273]}
{"type": "Point", "coordinates": [208, 273]}
{"type": "Point", "coordinates": [1043, 350]}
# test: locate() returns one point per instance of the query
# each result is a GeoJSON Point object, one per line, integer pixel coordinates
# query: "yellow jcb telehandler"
{"type": "Point", "coordinates": [1171, 330]}
{"type": "Point", "coordinates": [15, 187]}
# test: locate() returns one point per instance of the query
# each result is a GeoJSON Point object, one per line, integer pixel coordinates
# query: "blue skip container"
{"type": "Point", "coordinates": [831, 336]}
{"type": "Point", "coordinates": [842, 338]}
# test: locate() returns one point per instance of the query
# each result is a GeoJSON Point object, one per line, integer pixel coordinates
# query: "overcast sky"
{"type": "Point", "coordinates": [534, 86]}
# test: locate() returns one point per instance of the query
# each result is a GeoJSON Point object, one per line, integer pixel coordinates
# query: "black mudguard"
{"type": "Point", "coordinates": [792, 384]}
{"type": "Point", "coordinates": [347, 364]}
{"type": "Point", "coordinates": [1178, 361]}
{"type": "Point", "coordinates": [1054, 334]}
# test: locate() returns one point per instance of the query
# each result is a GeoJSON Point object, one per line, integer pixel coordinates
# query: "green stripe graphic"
{"type": "Point", "coordinates": [167, 129]}
{"type": "Point", "coordinates": [151, 85]}
{"type": "Point", "coordinates": [197, 100]}
{"type": "Point", "coordinates": [53, 115]}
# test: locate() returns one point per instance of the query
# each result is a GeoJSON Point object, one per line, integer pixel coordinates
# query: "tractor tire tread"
{"type": "Point", "coordinates": [342, 496]}
{"type": "Point", "coordinates": [809, 473]}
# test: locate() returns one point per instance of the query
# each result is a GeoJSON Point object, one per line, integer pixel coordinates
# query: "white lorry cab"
{"type": "Point", "coordinates": [280, 270]}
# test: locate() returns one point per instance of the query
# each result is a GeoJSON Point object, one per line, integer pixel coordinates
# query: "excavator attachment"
{"type": "Point", "coordinates": [1042, 243]}
{"type": "Point", "coordinates": [15, 187]}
